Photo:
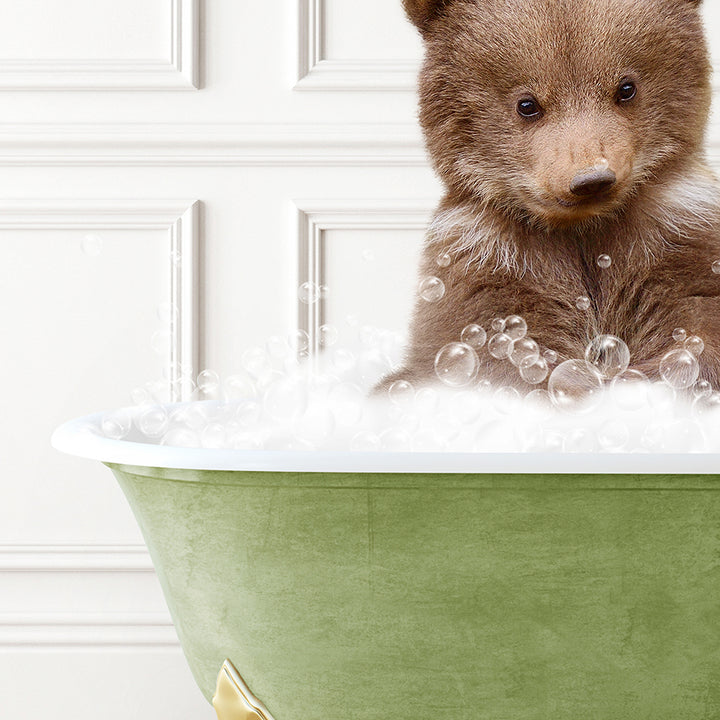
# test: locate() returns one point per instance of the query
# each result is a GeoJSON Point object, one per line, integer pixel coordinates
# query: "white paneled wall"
{"type": "Point", "coordinates": [212, 154]}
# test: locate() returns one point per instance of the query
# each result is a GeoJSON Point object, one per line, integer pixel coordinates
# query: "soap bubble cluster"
{"type": "Point", "coordinates": [282, 397]}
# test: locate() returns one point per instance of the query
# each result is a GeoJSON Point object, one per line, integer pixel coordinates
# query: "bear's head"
{"type": "Point", "coordinates": [558, 111]}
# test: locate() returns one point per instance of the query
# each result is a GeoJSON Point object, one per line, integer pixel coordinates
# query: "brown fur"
{"type": "Point", "coordinates": [519, 240]}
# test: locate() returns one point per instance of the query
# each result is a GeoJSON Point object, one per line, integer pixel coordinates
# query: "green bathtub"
{"type": "Point", "coordinates": [340, 590]}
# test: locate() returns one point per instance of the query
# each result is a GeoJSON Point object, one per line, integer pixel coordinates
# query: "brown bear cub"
{"type": "Point", "coordinates": [567, 130]}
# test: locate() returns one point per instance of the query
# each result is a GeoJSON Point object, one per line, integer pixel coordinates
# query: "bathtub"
{"type": "Point", "coordinates": [360, 586]}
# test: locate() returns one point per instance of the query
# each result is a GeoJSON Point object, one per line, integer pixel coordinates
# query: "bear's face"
{"type": "Point", "coordinates": [559, 110]}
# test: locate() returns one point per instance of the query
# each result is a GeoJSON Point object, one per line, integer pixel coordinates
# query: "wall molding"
{"type": "Point", "coordinates": [181, 222]}
{"type": "Point", "coordinates": [316, 72]}
{"type": "Point", "coordinates": [178, 72]}
{"type": "Point", "coordinates": [213, 145]}
{"type": "Point", "coordinates": [315, 216]}
{"type": "Point", "coordinates": [132, 558]}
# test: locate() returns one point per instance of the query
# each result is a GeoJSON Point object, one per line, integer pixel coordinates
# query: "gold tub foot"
{"type": "Point", "coordinates": [233, 699]}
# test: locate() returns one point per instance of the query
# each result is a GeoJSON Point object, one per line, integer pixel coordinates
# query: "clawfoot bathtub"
{"type": "Point", "coordinates": [330, 586]}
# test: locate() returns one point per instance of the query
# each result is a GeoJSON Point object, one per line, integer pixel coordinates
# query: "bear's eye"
{"type": "Point", "coordinates": [529, 107]}
{"type": "Point", "coordinates": [626, 91]}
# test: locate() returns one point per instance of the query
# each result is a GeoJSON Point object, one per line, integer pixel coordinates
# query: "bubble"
{"type": "Point", "coordinates": [368, 255]}
{"type": "Point", "coordinates": [401, 392]}
{"type": "Point", "coordinates": [631, 388]}
{"type": "Point", "coordinates": [679, 334]}
{"type": "Point", "coordinates": [116, 424]}
{"type": "Point", "coordinates": [604, 261]}
{"type": "Point", "coordinates": [255, 361]}
{"type": "Point", "coordinates": [524, 351]}
{"type": "Point", "coordinates": [444, 259]}
{"type": "Point", "coordinates": [498, 325]}
{"type": "Point", "coordinates": [153, 421]}
{"type": "Point", "coordinates": [535, 372]}
{"type": "Point", "coordinates": [506, 400]}
{"type": "Point", "coordinates": [613, 435]}
{"type": "Point", "coordinates": [575, 386]}
{"type": "Point", "coordinates": [432, 289]}
{"type": "Point", "coordinates": [369, 336]}
{"type": "Point", "coordinates": [309, 293]}
{"type": "Point", "coordinates": [301, 341]}
{"type": "Point", "coordinates": [365, 441]}
{"type": "Point", "coordinates": [609, 355]}
{"type": "Point", "coordinates": [342, 361]}
{"type": "Point", "coordinates": [427, 400]}
{"type": "Point", "coordinates": [92, 245]}
{"type": "Point", "coordinates": [679, 369]}
{"type": "Point", "coordinates": [694, 345]}
{"type": "Point", "coordinates": [160, 342]}
{"type": "Point", "coordinates": [324, 292]}
{"type": "Point", "coordinates": [248, 413]}
{"type": "Point", "coordinates": [707, 404]}
{"type": "Point", "coordinates": [538, 403]}
{"type": "Point", "coordinates": [661, 397]}
{"type": "Point", "coordinates": [456, 364]}
{"type": "Point", "coordinates": [702, 389]}
{"type": "Point", "coordinates": [474, 336]}
{"type": "Point", "coordinates": [328, 335]}
{"type": "Point", "coordinates": [716, 267]}
{"type": "Point", "coordinates": [551, 356]}
{"type": "Point", "coordinates": [372, 365]}
{"type": "Point", "coordinates": [515, 327]}
{"type": "Point", "coordinates": [277, 347]}
{"type": "Point", "coordinates": [468, 405]}
{"type": "Point", "coordinates": [142, 396]}
{"type": "Point", "coordinates": [208, 380]}
{"type": "Point", "coordinates": [500, 346]}
{"type": "Point", "coordinates": [583, 303]}
{"type": "Point", "coordinates": [239, 387]}
{"type": "Point", "coordinates": [286, 398]}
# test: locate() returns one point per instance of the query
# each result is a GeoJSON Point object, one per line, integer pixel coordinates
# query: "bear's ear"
{"type": "Point", "coordinates": [421, 12]}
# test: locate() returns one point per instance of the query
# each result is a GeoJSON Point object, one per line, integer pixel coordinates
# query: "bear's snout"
{"type": "Point", "coordinates": [592, 181]}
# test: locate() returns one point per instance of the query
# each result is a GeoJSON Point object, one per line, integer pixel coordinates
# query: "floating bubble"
{"type": "Point", "coordinates": [474, 336]}
{"type": "Point", "coordinates": [500, 346]}
{"type": "Point", "coordinates": [427, 400]}
{"type": "Point", "coordinates": [153, 421]}
{"type": "Point", "coordinates": [702, 389]}
{"type": "Point", "coordinates": [116, 424]}
{"type": "Point", "coordinates": [432, 289]}
{"type": "Point", "coordinates": [239, 387]}
{"type": "Point", "coordinates": [631, 388]}
{"type": "Point", "coordinates": [255, 361]}
{"type": "Point", "coordinates": [277, 347]}
{"type": "Point", "coordinates": [707, 404]}
{"type": "Point", "coordinates": [301, 341]}
{"type": "Point", "coordinates": [456, 364]}
{"type": "Point", "coordinates": [444, 259]}
{"type": "Point", "coordinates": [328, 335]}
{"type": "Point", "coordinates": [324, 292]}
{"type": "Point", "coordinates": [401, 392]}
{"type": "Point", "coordinates": [583, 303]}
{"type": "Point", "coordinates": [515, 327]}
{"type": "Point", "coordinates": [208, 380]}
{"type": "Point", "coordinates": [613, 435]}
{"type": "Point", "coordinates": [604, 261]}
{"type": "Point", "coordinates": [661, 397]}
{"type": "Point", "coordinates": [524, 351]}
{"type": "Point", "coordinates": [498, 325]}
{"type": "Point", "coordinates": [716, 267]}
{"type": "Point", "coordinates": [372, 365]}
{"type": "Point", "coordinates": [535, 372]}
{"type": "Point", "coordinates": [575, 386]}
{"type": "Point", "coordinates": [342, 361]}
{"type": "Point", "coordinates": [506, 400]}
{"type": "Point", "coordinates": [679, 334]}
{"type": "Point", "coordinates": [550, 356]}
{"type": "Point", "coordinates": [309, 293]}
{"type": "Point", "coordinates": [539, 403]}
{"type": "Point", "coordinates": [694, 345]}
{"type": "Point", "coordinates": [92, 245]}
{"type": "Point", "coordinates": [679, 369]}
{"type": "Point", "coordinates": [609, 355]}
{"type": "Point", "coordinates": [248, 413]}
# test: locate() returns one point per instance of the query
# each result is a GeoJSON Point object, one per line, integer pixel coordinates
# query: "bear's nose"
{"type": "Point", "coordinates": [592, 181]}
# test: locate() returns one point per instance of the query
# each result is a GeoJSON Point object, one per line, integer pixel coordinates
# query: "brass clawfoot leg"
{"type": "Point", "coordinates": [233, 699]}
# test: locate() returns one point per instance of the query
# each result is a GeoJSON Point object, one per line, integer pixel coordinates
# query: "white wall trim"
{"type": "Point", "coordinates": [178, 72]}
{"type": "Point", "coordinates": [316, 72]}
{"type": "Point", "coordinates": [214, 144]}
{"type": "Point", "coordinates": [74, 558]}
{"type": "Point", "coordinates": [315, 216]}
{"type": "Point", "coordinates": [180, 220]}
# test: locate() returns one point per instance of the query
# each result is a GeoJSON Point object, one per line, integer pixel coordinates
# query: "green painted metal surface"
{"type": "Point", "coordinates": [468, 597]}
